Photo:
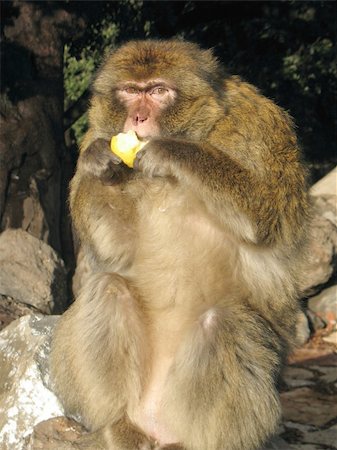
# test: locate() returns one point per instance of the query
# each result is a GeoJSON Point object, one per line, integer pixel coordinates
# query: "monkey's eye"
{"type": "Point", "coordinates": [158, 91]}
{"type": "Point", "coordinates": [131, 90]}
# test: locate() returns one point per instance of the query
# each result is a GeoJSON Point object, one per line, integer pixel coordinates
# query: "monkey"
{"type": "Point", "coordinates": [179, 333]}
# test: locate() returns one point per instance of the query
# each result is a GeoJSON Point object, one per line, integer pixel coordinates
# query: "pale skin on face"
{"type": "Point", "coordinates": [144, 102]}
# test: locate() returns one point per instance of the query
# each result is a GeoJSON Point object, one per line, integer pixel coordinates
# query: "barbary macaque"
{"type": "Point", "coordinates": [177, 338]}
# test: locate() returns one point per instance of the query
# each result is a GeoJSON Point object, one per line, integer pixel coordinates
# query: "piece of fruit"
{"type": "Point", "coordinates": [126, 146]}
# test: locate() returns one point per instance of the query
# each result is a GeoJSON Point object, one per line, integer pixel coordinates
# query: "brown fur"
{"type": "Point", "coordinates": [196, 259]}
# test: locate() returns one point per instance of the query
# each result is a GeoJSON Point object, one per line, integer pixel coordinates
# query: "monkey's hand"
{"type": "Point", "coordinates": [155, 158]}
{"type": "Point", "coordinates": [98, 161]}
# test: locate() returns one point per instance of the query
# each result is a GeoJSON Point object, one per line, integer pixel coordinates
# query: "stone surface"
{"type": "Point", "coordinates": [321, 264]}
{"type": "Point", "coordinates": [316, 322]}
{"type": "Point", "coordinates": [31, 272]}
{"type": "Point", "coordinates": [315, 352]}
{"type": "Point", "coordinates": [297, 377]}
{"type": "Point", "coordinates": [331, 338]}
{"type": "Point", "coordinates": [313, 436]}
{"type": "Point", "coordinates": [326, 185]}
{"type": "Point", "coordinates": [325, 304]}
{"type": "Point", "coordinates": [24, 398]}
{"type": "Point", "coordinates": [326, 207]}
{"type": "Point", "coordinates": [11, 310]}
{"type": "Point", "coordinates": [326, 437]}
{"type": "Point", "coordinates": [305, 447]}
{"type": "Point", "coordinates": [322, 261]}
{"type": "Point", "coordinates": [326, 374]}
{"type": "Point", "coordinates": [277, 444]}
{"type": "Point", "coordinates": [59, 433]}
{"type": "Point", "coordinates": [305, 405]}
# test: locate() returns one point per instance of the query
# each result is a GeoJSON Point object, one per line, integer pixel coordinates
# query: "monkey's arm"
{"type": "Point", "coordinates": [103, 215]}
{"type": "Point", "coordinates": [260, 205]}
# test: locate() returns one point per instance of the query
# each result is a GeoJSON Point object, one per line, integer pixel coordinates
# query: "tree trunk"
{"type": "Point", "coordinates": [34, 167]}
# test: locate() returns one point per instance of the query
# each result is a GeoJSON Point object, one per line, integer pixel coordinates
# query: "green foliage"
{"type": "Point", "coordinates": [309, 64]}
{"type": "Point", "coordinates": [79, 68]}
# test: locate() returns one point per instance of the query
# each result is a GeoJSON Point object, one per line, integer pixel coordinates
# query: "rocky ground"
{"type": "Point", "coordinates": [309, 395]}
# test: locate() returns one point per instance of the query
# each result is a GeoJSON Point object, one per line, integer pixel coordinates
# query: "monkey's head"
{"type": "Point", "coordinates": [157, 88]}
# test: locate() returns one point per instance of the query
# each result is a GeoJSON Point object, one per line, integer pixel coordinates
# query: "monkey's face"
{"type": "Point", "coordinates": [157, 88]}
{"type": "Point", "coordinates": [144, 103]}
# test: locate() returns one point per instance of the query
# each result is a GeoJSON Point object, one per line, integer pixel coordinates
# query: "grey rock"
{"type": "Point", "coordinates": [25, 399]}
{"type": "Point", "coordinates": [326, 437]}
{"type": "Point", "coordinates": [11, 310]}
{"type": "Point", "coordinates": [307, 405]}
{"type": "Point", "coordinates": [326, 185]}
{"type": "Point", "coordinates": [325, 304]}
{"type": "Point", "coordinates": [331, 338]}
{"type": "Point", "coordinates": [297, 377]}
{"type": "Point", "coordinates": [321, 263]}
{"type": "Point", "coordinates": [59, 433]}
{"type": "Point", "coordinates": [305, 447]}
{"type": "Point", "coordinates": [31, 272]}
{"type": "Point", "coordinates": [316, 322]}
{"type": "Point", "coordinates": [326, 374]}
{"type": "Point", "coordinates": [311, 435]}
{"type": "Point", "coordinates": [277, 444]}
{"type": "Point", "coordinates": [326, 207]}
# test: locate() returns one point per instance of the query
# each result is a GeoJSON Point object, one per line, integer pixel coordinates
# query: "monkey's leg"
{"type": "Point", "coordinates": [123, 435]}
{"type": "Point", "coordinates": [220, 392]}
{"type": "Point", "coordinates": [98, 357]}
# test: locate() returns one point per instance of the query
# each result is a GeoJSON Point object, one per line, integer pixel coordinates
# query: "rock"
{"type": "Point", "coordinates": [305, 447]}
{"type": "Point", "coordinates": [321, 263]}
{"type": "Point", "coordinates": [11, 310]}
{"type": "Point", "coordinates": [326, 185]}
{"type": "Point", "coordinates": [326, 207]}
{"type": "Point", "coordinates": [277, 444]}
{"type": "Point", "coordinates": [316, 322]}
{"type": "Point", "coordinates": [326, 437]}
{"type": "Point", "coordinates": [314, 356]}
{"type": "Point", "coordinates": [311, 435]}
{"type": "Point", "coordinates": [297, 377]}
{"type": "Point", "coordinates": [25, 399]}
{"type": "Point", "coordinates": [305, 405]}
{"type": "Point", "coordinates": [325, 304]}
{"type": "Point", "coordinates": [59, 433]}
{"type": "Point", "coordinates": [31, 272]}
{"type": "Point", "coordinates": [331, 338]}
{"type": "Point", "coordinates": [326, 374]}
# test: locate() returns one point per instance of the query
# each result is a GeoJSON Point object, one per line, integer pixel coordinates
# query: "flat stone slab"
{"type": "Point", "coordinates": [307, 406]}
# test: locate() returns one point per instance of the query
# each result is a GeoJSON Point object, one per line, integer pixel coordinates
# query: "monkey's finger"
{"type": "Point", "coordinates": [115, 159]}
{"type": "Point", "coordinates": [138, 159]}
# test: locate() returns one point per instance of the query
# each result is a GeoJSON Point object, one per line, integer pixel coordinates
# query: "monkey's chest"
{"type": "Point", "coordinates": [181, 252]}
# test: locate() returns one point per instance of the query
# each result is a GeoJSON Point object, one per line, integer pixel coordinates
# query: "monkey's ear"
{"type": "Point", "coordinates": [103, 83]}
{"type": "Point", "coordinates": [105, 78]}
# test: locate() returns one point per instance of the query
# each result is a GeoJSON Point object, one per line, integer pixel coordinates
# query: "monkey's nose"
{"type": "Point", "coordinates": [141, 118]}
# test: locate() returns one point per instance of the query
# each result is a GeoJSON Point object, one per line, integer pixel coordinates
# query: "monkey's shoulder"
{"type": "Point", "coordinates": [244, 98]}
{"type": "Point", "coordinates": [254, 116]}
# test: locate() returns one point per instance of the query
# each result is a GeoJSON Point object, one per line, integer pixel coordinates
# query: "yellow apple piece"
{"type": "Point", "coordinates": [126, 146]}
